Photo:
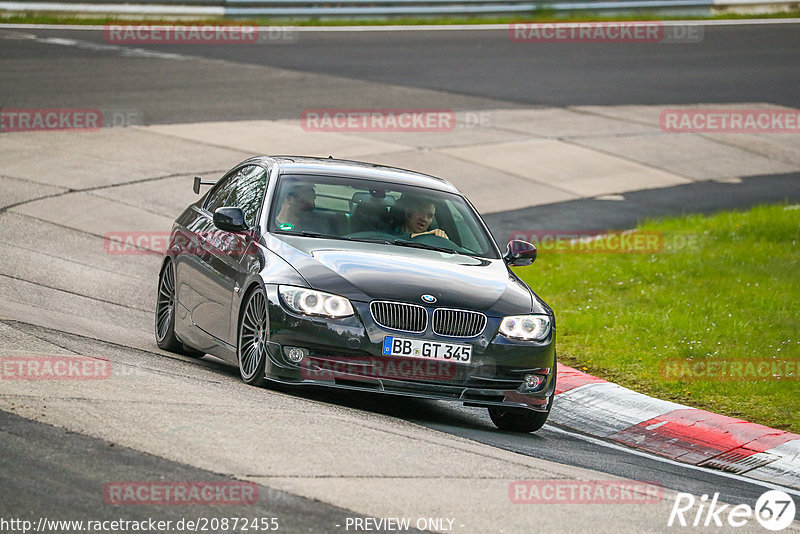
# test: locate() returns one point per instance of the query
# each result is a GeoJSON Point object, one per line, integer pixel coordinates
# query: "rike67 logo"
{"type": "Point", "coordinates": [774, 510]}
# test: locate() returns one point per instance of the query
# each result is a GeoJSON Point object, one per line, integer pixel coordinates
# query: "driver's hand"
{"type": "Point", "coordinates": [437, 232]}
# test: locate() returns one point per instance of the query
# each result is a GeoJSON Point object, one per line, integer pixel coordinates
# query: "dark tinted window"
{"type": "Point", "coordinates": [244, 189]}
{"type": "Point", "coordinates": [219, 194]}
{"type": "Point", "coordinates": [394, 214]}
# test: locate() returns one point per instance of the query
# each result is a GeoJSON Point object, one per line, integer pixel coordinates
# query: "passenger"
{"type": "Point", "coordinates": [297, 209]}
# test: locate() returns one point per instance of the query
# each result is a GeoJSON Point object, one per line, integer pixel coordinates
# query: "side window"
{"type": "Point", "coordinates": [219, 195]}
{"type": "Point", "coordinates": [248, 194]}
{"type": "Point", "coordinates": [241, 189]}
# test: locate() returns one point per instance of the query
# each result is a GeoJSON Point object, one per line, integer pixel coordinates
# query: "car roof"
{"type": "Point", "coordinates": [356, 169]}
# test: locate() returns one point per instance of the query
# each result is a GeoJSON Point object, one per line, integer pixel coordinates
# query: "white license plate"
{"type": "Point", "coordinates": [426, 350]}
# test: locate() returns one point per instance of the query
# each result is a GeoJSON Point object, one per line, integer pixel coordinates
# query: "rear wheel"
{"type": "Point", "coordinates": [253, 337]}
{"type": "Point", "coordinates": [165, 315]}
{"type": "Point", "coordinates": [165, 310]}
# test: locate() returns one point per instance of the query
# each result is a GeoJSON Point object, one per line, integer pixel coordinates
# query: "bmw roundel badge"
{"type": "Point", "coordinates": [430, 299]}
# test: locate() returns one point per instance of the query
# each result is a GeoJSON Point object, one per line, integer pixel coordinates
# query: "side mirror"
{"type": "Point", "coordinates": [519, 253]}
{"type": "Point", "coordinates": [230, 219]}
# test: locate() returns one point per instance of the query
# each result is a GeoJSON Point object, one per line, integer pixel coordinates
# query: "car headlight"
{"type": "Point", "coordinates": [526, 327]}
{"type": "Point", "coordinates": [316, 303]}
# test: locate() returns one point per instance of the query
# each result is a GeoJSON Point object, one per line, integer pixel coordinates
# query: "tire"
{"type": "Point", "coordinates": [165, 315]}
{"type": "Point", "coordinates": [165, 310]}
{"type": "Point", "coordinates": [251, 349]}
{"type": "Point", "coordinates": [520, 420]}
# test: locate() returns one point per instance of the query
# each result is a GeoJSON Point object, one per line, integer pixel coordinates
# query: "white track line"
{"type": "Point", "coordinates": [635, 452]}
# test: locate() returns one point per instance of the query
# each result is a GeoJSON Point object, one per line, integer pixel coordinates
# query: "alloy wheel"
{"type": "Point", "coordinates": [253, 337]}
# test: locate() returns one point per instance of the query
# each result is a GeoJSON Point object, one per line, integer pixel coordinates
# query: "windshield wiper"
{"type": "Point", "coordinates": [370, 240]}
{"type": "Point", "coordinates": [413, 244]}
{"type": "Point", "coordinates": [306, 233]}
{"type": "Point", "coordinates": [402, 243]}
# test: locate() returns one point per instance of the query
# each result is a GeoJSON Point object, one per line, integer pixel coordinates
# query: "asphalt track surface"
{"type": "Point", "coordinates": [454, 69]}
{"type": "Point", "coordinates": [77, 491]}
{"type": "Point", "coordinates": [64, 472]}
{"type": "Point", "coordinates": [459, 69]}
{"type": "Point", "coordinates": [465, 70]}
{"type": "Point", "coordinates": [598, 214]}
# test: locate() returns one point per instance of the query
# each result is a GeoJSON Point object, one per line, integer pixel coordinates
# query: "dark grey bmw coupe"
{"type": "Point", "coordinates": [325, 272]}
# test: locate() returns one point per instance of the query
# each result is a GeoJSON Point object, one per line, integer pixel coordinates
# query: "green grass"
{"type": "Point", "coordinates": [732, 293]}
{"type": "Point", "coordinates": [538, 16]}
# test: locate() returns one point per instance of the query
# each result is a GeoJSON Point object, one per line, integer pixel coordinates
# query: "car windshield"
{"type": "Point", "coordinates": [379, 212]}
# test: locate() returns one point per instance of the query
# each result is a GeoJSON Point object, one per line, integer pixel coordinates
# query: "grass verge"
{"type": "Point", "coordinates": [723, 288]}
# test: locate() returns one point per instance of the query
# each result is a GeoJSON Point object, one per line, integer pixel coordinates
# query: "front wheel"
{"type": "Point", "coordinates": [520, 419]}
{"type": "Point", "coordinates": [517, 420]}
{"type": "Point", "coordinates": [253, 337]}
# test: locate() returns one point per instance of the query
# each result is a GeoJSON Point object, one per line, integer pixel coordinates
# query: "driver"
{"type": "Point", "coordinates": [418, 215]}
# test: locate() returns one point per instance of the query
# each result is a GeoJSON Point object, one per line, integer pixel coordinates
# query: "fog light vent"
{"type": "Point", "coordinates": [533, 381]}
{"type": "Point", "coordinates": [295, 354]}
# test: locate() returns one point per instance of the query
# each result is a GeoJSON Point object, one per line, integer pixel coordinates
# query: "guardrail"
{"type": "Point", "coordinates": [373, 8]}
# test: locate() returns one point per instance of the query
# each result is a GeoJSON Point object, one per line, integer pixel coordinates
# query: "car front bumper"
{"type": "Point", "coordinates": [347, 353]}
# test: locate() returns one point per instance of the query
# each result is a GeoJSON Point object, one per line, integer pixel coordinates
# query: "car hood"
{"type": "Point", "coordinates": [370, 271]}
